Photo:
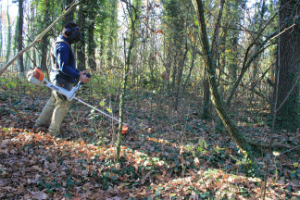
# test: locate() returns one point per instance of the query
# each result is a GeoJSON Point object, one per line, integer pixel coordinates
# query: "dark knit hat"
{"type": "Point", "coordinates": [70, 25]}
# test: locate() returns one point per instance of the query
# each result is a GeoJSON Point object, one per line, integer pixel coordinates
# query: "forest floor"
{"type": "Point", "coordinates": [166, 160]}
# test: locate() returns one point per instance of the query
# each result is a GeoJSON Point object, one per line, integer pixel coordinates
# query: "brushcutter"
{"type": "Point", "coordinates": [36, 77]}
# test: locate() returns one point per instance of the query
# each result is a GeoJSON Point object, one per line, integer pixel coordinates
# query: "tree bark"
{"type": "Point", "coordinates": [1, 33]}
{"type": "Point", "coordinates": [206, 101]}
{"type": "Point", "coordinates": [102, 42]}
{"type": "Point", "coordinates": [174, 73]}
{"type": "Point", "coordinates": [91, 40]}
{"type": "Point", "coordinates": [20, 35]}
{"type": "Point", "coordinates": [232, 55]}
{"type": "Point", "coordinates": [70, 15]}
{"type": "Point", "coordinates": [81, 44]}
{"type": "Point", "coordinates": [91, 47]}
{"type": "Point", "coordinates": [32, 16]}
{"type": "Point", "coordinates": [190, 71]}
{"type": "Point", "coordinates": [287, 69]}
{"type": "Point", "coordinates": [223, 57]}
{"type": "Point", "coordinates": [113, 32]}
{"type": "Point", "coordinates": [210, 69]}
{"type": "Point", "coordinates": [180, 70]}
{"type": "Point", "coordinates": [45, 41]}
{"type": "Point", "coordinates": [206, 98]}
{"type": "Point", "coordinates": [8, 45]}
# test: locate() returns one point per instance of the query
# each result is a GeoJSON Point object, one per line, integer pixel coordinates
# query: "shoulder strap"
{"type": "Point", "coordinates": [62, 41]}
{"type": "Point", "coordinates": [52, 50]}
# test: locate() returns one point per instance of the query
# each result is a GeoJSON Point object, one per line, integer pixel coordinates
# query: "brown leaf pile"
{"type": "Point", "coordinates": [31, 160]}
{"type": "Point", "coordinates": [158, 163]}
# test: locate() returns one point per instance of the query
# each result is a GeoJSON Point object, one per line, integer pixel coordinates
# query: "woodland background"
{"type": "Point", "coordinates": [210, 89]}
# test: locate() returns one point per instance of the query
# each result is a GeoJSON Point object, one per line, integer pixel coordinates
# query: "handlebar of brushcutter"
{"type": "Point", "coordinates": [80, 83]}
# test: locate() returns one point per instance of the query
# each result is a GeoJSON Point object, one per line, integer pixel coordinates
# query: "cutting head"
{"type": "Point", "coordinates": [124, 129]}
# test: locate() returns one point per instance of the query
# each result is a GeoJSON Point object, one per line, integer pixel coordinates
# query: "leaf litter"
{"type": "Point", "coordinates": [35, 165]}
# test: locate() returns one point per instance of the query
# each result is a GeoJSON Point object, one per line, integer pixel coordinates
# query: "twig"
{"type": "Point", "coordinates": [267, 145]}
{"type": "Point", "coordinates": [290, 150]}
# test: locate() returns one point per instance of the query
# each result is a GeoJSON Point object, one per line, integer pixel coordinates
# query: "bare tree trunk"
{"type": "Point", "coordinates": [101, 45]}
{"type": "Point", "coordinates": [179, 79]}
{"type": "Point", "coordinates": [210, 69]}
{"type": "Point", "coordinates": [206, 104]}
{"type": "Point", "coordinates": [8, 46]}
{"type": "Point", "coordinates": [287, 116]}
{"type": "Point", "coordinates": [174, 73]}
{"type": "Point", "coordinates": [125, 72]}
{"type": "Point", "coordinates": [223, 57]}
{"type": "Point", "coordinates": [20, 35]}
{"type": "Point", "coordinates": [112, 34]}
{"type": "Point", "coordinates": [181, 64]}
{"type": "Point", "coordinates": [190, 71]}
{"type": "Point", "coordinates": [150, 64]}
{"type": "Point", "coordinates": [232, 56]}
{"type": "Point", "coordinates": [91, 47]}
{"type": "Point", "coordinates": [91, 35]}
{"type": "Point", "coordinates": [206, 99]}
{"type": "Point", "coordinates": [70, 15]}
{"type": "Point", "coordinates": [1, 33]}
{"type": "Point", "coordinates": [32, 16]}
{"type": "Point", "coordinates": [45, 41]}
{"type": "Point", "coordinates": [81, 44]}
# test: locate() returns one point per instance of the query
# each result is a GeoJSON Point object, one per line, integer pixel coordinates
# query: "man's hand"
{"type": "Point", "coordinates": [83, 78]}
{"type": "Point", "coordinates": [83, 72]}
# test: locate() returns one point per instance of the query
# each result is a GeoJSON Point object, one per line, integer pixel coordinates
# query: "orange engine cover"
{"type": "Point", "coordinates": [38, 74]}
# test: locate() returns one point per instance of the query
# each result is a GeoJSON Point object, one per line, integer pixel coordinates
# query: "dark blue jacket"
{"type": "Point", "coordinates": [65, 62]}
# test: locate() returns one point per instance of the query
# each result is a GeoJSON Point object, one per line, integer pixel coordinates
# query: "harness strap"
{"type": "Point", "coordinates": [52, 50]}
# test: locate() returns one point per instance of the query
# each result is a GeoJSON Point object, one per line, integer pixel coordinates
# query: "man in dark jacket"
{"type": "Point", "coordinates": [63, 74]}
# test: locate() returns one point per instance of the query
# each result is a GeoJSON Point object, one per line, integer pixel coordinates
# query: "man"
{"type": "Point", "coordinates": [63, 74]}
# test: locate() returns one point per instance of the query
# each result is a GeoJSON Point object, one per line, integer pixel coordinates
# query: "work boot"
{"type": "Point", "coordinates": [37, 129]}
{"type": "Point", "coordinates": [61, 136]}
{"type": "Point", "coordinates": [53, 133]}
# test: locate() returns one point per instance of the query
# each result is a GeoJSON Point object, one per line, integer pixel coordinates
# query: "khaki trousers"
{"type": "Point", "coordinates": [55, 109]}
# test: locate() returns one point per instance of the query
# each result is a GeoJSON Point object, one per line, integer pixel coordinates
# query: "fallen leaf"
{"type": "Point", "coordinates": [40, 195]}
{"type": "Point", "coordinates": [193, 196]}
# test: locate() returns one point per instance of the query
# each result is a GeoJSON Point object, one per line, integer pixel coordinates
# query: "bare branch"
{"type": "Point", "coordinates": [39, 37]}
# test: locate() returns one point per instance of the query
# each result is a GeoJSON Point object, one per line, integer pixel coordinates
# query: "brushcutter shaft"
{"type": "Point", "coordinates": [107, 115]}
